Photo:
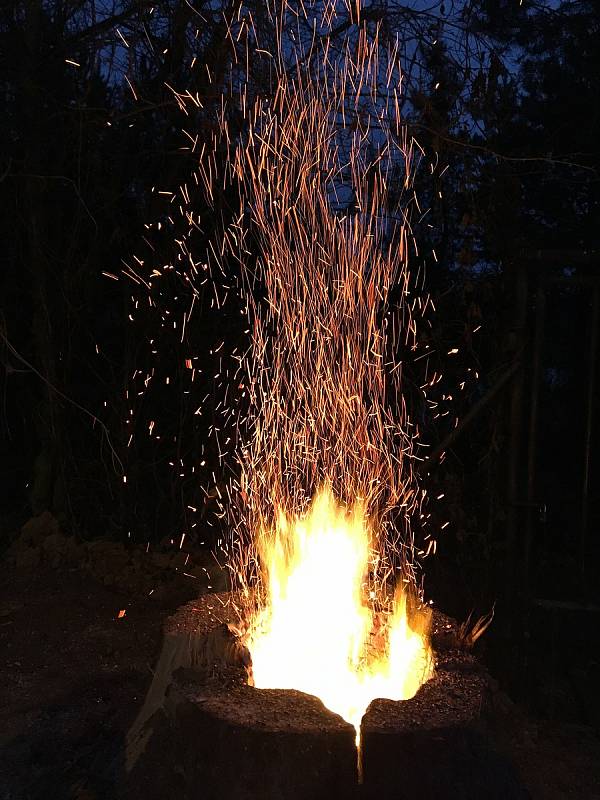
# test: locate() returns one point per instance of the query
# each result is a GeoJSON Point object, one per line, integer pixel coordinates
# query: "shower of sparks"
{"type": "Point", "coordinates": [321, 244]}
{"type": "Point", "coordinates": [304, 168]}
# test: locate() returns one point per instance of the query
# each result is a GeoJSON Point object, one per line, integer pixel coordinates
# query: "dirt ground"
{"type": "Point", "coordinates": [74, 670]}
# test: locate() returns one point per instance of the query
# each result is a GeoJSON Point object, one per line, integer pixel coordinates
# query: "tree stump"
{"type": "Point", "coordinates": [203, 732]}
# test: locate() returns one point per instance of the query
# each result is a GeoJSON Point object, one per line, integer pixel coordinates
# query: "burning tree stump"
{"type": "Point", "coordinates": [203, 732]}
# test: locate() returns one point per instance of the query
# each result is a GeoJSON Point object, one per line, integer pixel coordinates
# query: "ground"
{"type": "Point", "coordinates": [72, 674]}
{"type": "Point", "coordinates": [74, 670]}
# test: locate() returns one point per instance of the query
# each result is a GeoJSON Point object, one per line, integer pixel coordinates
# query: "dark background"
{"type": "Point", "coordinates": [504, 98]}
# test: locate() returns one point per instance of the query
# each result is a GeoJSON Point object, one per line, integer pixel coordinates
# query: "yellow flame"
{"type": "Point", "coordinates": [315, 632]}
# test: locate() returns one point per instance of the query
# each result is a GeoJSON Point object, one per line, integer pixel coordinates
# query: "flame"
{"type": "Point", "coordinates": [315, 633]}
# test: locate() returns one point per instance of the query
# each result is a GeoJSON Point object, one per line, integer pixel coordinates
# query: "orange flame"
{"type": "Point", "coordinates": [315, 633]}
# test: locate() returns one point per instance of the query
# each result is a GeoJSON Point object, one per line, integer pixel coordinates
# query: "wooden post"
{"type": "Point", "coordinates": [536, 367]}
{"type": "Point", "coordinates": [585, 498]}
{"type": "Point", "coordinates": [517, 346]}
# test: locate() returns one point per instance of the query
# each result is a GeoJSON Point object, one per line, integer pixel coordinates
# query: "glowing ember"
{"type": "Point", "coordinates": [316, 633]}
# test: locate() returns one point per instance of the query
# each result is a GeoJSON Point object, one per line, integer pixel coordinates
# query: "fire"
{"type": "Point", "coordinates": [315, 632]}
{"type": "Point", "coordinates": [306, 175]}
